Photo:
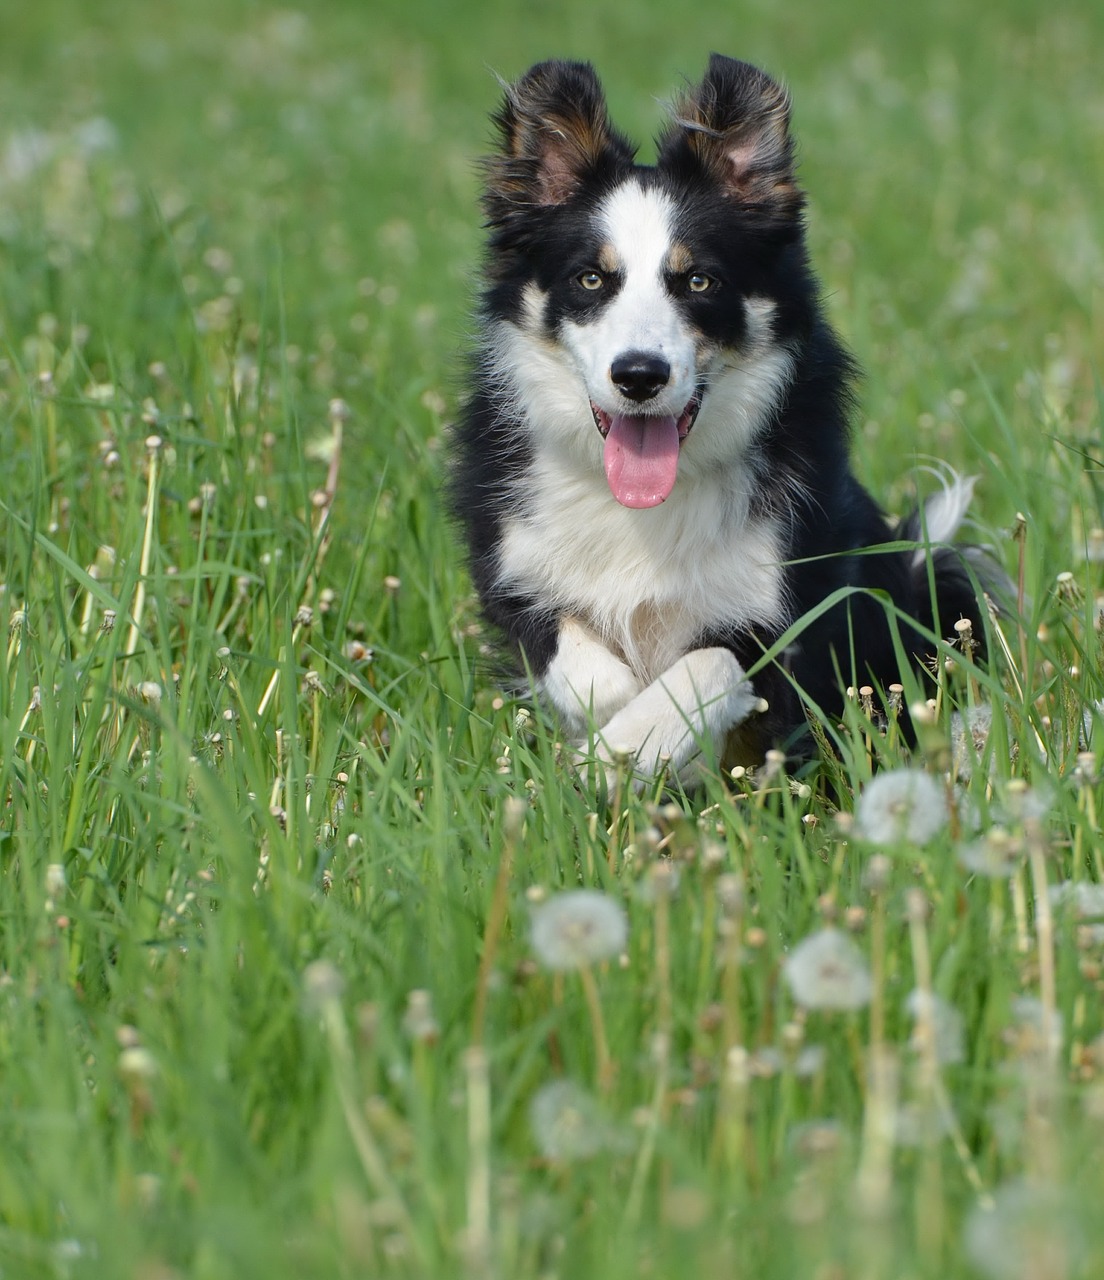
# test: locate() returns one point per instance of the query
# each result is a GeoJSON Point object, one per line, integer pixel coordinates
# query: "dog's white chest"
{"type": "Point", "coordinates": [651, 582]}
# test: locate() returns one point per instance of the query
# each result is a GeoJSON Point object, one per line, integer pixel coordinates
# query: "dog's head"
{"type": "Point", "coordinates": [633, 297]}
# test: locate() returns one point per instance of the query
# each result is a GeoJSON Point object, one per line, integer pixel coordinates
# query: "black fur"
{"type": "Point", "coordinates": [558, 156]}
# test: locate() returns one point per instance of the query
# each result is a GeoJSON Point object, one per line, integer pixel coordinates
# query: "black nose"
{"type": "Point", "coordinates": [640, 376]}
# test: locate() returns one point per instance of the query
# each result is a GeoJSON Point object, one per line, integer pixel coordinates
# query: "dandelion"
{"type": "Point", "coordinates": [419, 1021]}
{"type": "Point", "coordinates": [1084, 901]}
{"type": "Point", "coordinates": [946, 1023]}
{"type": "Point", "coordinates": [901, 804]}
{"type": "Point", "coordinates": [573, 930]}
{"type": "Point", "coordinates": [150, 692]}
{"type": "Point", "coordinates": [568, 1123]}
{"type": "Point", "coordinates": [577, 928]}
{"type": "Point", "coordinates": [997, 855]}
{"type": "Point", "coordinates": [1038, 1030]}
{"type": "Point", "coordinates": [970, 731]}
{"type": "Point", "coordinates": [322, 985]}
{"type": "Point", "coordinates": [55, 881]}
{"type": "Point", "coordinates": [805, 1063]}
{"type": "Point", "coordinates": [827, 971]}
{"type": "Point", "coordinates": [1024, 803]}
{"type": "Point", "coordinates": [1027, 1232]}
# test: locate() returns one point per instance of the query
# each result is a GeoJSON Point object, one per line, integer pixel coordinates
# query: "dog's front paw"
{"type": "Point", "coordinates": [585, 681]}
{"type": "Point", "coordinates": [681, 718]}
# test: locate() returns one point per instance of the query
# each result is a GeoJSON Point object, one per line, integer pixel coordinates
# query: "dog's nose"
{"type": "Point", "coordinates": [640, 376]}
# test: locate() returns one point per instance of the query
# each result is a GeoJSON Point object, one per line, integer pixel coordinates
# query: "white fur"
{"type": "Point", "coordinates": [688, 711]}
{"type": "Point", "coordinates": [638, 588]}
{"type": "Point", "coordinates": [586, 681]}
{"type": "Point", "coordinates": [944, 511]}
{"type": "Point", "coordinates": [642, 317]}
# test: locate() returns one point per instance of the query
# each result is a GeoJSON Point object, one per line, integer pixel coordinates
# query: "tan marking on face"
{"type": "Point", "coordinates": [608, 261]}
{"type": "Point", "coordinates": [680, 260]}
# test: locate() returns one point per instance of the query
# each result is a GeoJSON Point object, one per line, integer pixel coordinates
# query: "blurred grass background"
{"type": "Point", "coordinates": [215, 218]}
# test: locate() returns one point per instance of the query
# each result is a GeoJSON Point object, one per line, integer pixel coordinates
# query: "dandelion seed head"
{"type": "Point", "coordinates": [946, 1024]}
{"type": "Point", "coordinates": [322, 983]}
{"type": "Point", "coordinates": [1024, 803]}
{"type": "Point", "coordinates": [810, 1061]}
{"type": "Point", "coordinates": [1038, 1030]}
{"type": "Point", "coordinates": [919, 1124]}
{"type": "Point", "coordinates": [419, 1021]}
{"type": "Point", "coordinates": [1082, 900]}
{"type": "Point", "coordinates": [136, 1064]}
{"type": "Point", "coordinates": [577, 928]}
{"type": "Point", "coordinates": [1028, 1232]}
{"type": "Point", "coordinates": [996, 855]}
{"type": "Point", "coordinates": [661, 880]}
{"type": "Point", "coordinates": [55, 880]}
{"type": "Point", "coordinates": [970, 731]}
{"type": "Point", "coordinates": [826, 970]}
{"type": "Point", "coordinates": [150, 692]}
{"type": "Point", "coordinates": [568, 1124]}
{"type": "Point", "coordinates": [901, 804]}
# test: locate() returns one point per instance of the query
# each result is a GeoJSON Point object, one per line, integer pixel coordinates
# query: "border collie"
{"type": "Point", "coordinates": [651, 468]}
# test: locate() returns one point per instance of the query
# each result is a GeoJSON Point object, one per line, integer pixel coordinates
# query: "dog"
{"type": "Point", "coordinates": [651, 466]}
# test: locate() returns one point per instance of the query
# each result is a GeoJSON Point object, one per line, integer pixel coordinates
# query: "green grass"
{"type": "Point", "coordinates": [233, 842]}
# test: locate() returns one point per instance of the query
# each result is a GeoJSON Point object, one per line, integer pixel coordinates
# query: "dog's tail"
{"type": "Point", "coordinates": [951, 582]}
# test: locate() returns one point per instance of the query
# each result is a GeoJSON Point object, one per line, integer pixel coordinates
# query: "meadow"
{"type": "Point", "coordinates": [295, 977]}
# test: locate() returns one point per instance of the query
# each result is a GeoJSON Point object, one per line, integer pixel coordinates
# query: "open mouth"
{"type": "Point", "coordinates": [641, 453]}
{"type": "Point", "coordinates": [603, 420]}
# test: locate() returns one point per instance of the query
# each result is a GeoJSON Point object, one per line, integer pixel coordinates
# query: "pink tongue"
{"type": "Point", "coordinates": [641, 457]}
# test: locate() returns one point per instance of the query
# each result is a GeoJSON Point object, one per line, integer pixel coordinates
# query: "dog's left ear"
{"type": "Point", "coordinates": [736, 124]}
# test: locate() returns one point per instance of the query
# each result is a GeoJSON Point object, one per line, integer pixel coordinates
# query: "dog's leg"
{"type": "Point", "coordinates": [689, 709]}
{"type": "Point", "coordinates": [586, 681]}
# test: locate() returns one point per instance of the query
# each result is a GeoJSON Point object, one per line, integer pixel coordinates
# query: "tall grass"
{"type": "Point", "coordinates": [272, 841]}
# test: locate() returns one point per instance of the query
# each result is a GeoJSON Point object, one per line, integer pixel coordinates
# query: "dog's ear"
{"type": "Point", "coordinates": [555, 133]}
{"type": "Point", "coordinates": [736, 125]}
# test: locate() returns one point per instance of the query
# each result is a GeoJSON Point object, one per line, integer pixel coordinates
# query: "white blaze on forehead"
{"type": "Point", "coordinates": [636, 224]}
{"type": "Point", "coordinates": [640, 225]}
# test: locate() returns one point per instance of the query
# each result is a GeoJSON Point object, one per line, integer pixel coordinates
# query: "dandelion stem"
{"type": "Point", "coordinates": [496, 917]}
{"type": "Point", "coordinates": [646, 1154]}
{"type": "Point", "coordinates": [478, 1240]}
{"type": "Point", "coordinates": [262, 706]}
{"type": "Point", "coordinates": [371, 1157]}
{"type": "Point", "coordinates": [874, 1182]}
{"type": "Point", "coordinates": [1044, 935]}
{"type": "Point", "coordinates": [662, 1053]}
{"type": "Point", "coordinates": [930, 1221]}
{"type": "Point", "coordinates": [598, 1028]}
{"type": "Point", "coordinates": [138, 605]}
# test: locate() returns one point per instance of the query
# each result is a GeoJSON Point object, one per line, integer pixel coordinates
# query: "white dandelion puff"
{"type": "Point", "coordinates": [1082, 900]}
{"type": "Point", "coordinates": [577, 928]}
{"type": "Point", "coordinates": [946, 1023]}
{"type": "Point", "coordinates": [1038, 1028]}
{"type": "Point", "coordinates": [919, 1124]}
{"type": "Point", "coordinates": [1024, 803]}
{"type": "Point", "coordinates": [901, 804]}
{"type": "Point", "coordinates": [55, 880]}
{"type": "Point", "coordinates": [810, 1061]}
{"type": "Point", "coordinates": [827, 971]}
{"type": "Point", "coordinates": [419, 1021]}
{"type": "Point", "coordinates": [970, 731]}
{"type": "Point", "coordinates": [568, 1124]}
{"type": "Point", "coordinates": [322, 985]}
{"type": "Point", "coordinates": [1029, 1231]}
{"type": "Point", "coordinates": [996, 855]}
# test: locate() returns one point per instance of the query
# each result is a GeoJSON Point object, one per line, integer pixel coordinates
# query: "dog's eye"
{"type": "Point", "coordinates": [699, 282]}
{"type": "Point", "coordinates": [592, 280]}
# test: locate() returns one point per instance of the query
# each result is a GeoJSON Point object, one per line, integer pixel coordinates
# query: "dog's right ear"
{"type": "Point", "coordinates": [555, 133]}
